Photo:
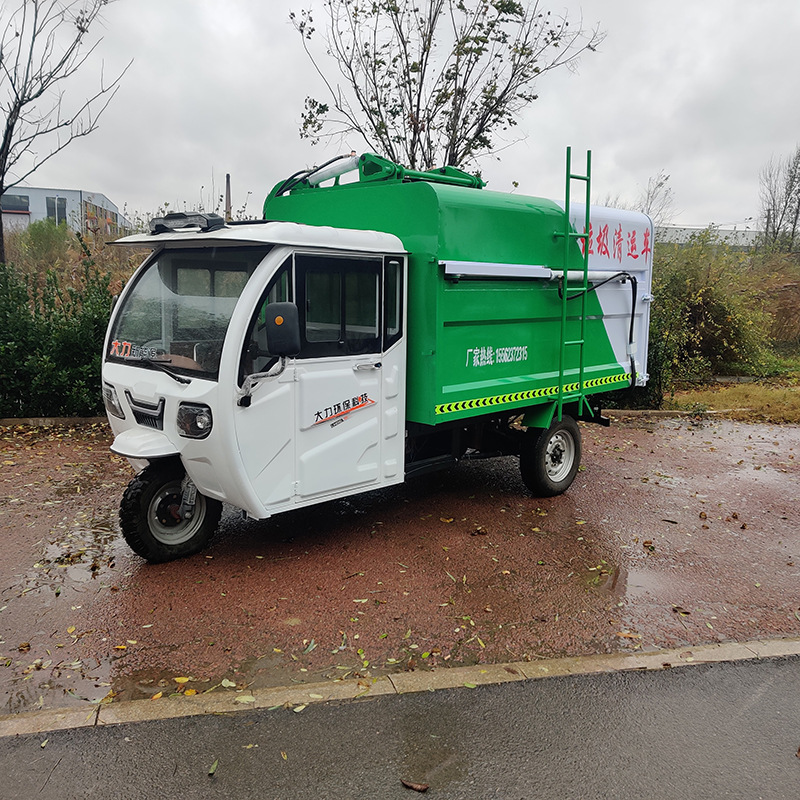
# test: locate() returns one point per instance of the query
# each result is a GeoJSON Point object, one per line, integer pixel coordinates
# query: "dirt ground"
{"type": "Point", "coordinates": [676, 532]}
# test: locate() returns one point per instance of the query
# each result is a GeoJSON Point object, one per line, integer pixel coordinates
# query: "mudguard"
{"type": "Point", "coordinates": [140, 443]}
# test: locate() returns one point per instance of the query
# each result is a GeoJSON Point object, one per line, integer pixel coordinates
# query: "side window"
{"type": "Point", "coordinates": [323, 305]}
{"type": "Point", "coordinates": [256, 357]}
{"type": "Point", "coordinates": [339, 300]}
{"type": "Point", "coordinates": [362, 302]}
{"type": "Point", "coordinates": [393, 301]}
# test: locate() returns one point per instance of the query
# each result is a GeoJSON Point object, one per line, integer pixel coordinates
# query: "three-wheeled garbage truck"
{"type": "Point", "coordinates": [362, 332]}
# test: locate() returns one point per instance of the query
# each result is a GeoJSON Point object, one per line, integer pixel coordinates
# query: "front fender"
{"type": "Point", "coordinates": [141, 443]}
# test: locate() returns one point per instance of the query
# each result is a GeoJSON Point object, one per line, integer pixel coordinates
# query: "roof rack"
{"type": "Point", "coordinates": [372, 168]}
{"type": "Point", "coordinates": [375, 168]}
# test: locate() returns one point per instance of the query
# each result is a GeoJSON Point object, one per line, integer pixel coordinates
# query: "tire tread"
{"type": "Point", "coordinates": [532, 459]}
{"type": "Point", "coordinates": [135, 529]}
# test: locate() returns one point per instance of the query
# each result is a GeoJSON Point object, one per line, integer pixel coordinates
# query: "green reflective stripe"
{"type": "Point", "coordinates": [532, 394]}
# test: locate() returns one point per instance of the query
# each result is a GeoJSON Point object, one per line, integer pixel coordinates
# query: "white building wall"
{"type": "Point", "coordinates": [38, 204]}
{"type": "Point", "coordinates": [15, 222]}
{"type": "Point", "coordinates": [744, 238]}
{"type": "Point", "coordinates": [79, 216]}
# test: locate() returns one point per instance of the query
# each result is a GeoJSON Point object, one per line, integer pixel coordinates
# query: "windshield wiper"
{"type": "Point", "coordinates": [162, 366]}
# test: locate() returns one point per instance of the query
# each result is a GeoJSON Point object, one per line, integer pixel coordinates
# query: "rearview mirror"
{"type": "Point", "coordinates": [283, 329]}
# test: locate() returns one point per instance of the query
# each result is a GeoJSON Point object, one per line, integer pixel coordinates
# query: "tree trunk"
{"type": "Point", "coordinates": [795, 220]}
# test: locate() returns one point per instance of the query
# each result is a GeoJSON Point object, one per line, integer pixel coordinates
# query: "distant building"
{"type": "Point", "coordinates": [84, 212]}
{"type": "Point", "coordinates": [740, 238]}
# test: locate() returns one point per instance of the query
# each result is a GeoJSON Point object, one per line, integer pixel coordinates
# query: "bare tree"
{"type": "Point", "coordinates": [43, 45]}
{"type": "Point", "coordinates": [658, 200]}
{"type": "Point", "coordinates": [779, 183]}
{"type": "Point", "coordinates": [433, 82]}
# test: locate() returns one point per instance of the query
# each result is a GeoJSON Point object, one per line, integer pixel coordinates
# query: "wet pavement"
{"type": "Point", "coordinates": [676, 532]}
{"type": "Point", "coordinates": [727, 730]}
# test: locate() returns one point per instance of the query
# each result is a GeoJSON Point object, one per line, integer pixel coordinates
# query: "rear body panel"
{"type": "Point", "coordinates": [483, 343]}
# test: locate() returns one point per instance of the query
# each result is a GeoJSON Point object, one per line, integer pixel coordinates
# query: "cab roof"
{"type": "Point", "coordinates": [283, 233]}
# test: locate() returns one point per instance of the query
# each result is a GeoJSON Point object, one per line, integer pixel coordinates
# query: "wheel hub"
{"type": "Point", "coordinates": [556, 454]}
{"type": "Point", "coordinates": [168, 510]}
{"type": "Point", "coordinates": [560, 455]}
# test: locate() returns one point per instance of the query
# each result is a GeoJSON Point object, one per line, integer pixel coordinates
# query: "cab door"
{"type": "Point", "coordinates": [349, 375]}
{"type": "Point", "coordinates": [265, 426]}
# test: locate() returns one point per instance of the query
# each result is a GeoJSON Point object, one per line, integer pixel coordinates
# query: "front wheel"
{"type": "Point", "coordinates": [151, 521]}
{"type": "Point", "coordinates": [550, 458]}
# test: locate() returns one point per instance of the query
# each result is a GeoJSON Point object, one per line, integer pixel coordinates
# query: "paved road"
{"type": "Point", "coordinates": [677, 533]}
{"type": "Point", "coordinates": [728, 730]}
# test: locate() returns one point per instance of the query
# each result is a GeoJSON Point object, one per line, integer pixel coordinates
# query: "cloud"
{"type": "Point", "coordinates": [705, 91]}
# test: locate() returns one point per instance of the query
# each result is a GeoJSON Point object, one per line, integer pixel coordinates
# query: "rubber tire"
{"type": "Point", "coordinates": [541, 461]}
{"type": "Point", "coordinates": [141, 531]}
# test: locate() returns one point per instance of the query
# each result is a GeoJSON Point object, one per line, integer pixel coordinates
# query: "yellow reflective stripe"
{"type": "Point", "coordinates": [532, 394]}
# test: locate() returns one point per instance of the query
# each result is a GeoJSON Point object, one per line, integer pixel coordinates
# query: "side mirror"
{"type": "Point", "coordinates": [283, 329]}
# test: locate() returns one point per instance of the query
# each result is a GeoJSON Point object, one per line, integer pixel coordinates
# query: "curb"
{"type": "Point", "coordinates": [659, 413]}
{"type": "Point", "coordinates": [297, 698]}
{"type": "Point", "coordinates": [50, 422]}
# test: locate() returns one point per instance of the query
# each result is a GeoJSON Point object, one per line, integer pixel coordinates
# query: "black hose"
{"type": "Point", "coordinates": [594, 287]}
{"type": "Point", "coordinates": [290, 178]}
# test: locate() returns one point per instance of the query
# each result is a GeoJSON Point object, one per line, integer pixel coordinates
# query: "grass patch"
{"type": "Point", "coordinates": [788, 362]}
{"type": "Point", "coordinates": [774, 399]}
{"type": "Point", "coordinates": [764, 401]}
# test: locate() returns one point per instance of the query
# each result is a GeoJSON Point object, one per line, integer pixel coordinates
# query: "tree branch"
{"type": "Point", "coordinates": [41, 48]}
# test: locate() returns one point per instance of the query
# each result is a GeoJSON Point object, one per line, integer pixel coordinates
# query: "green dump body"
{"type": "Point", "coordinates": [476, 345]}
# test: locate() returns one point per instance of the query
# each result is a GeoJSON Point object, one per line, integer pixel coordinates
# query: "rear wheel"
{"type": "Point", "coordinates": [550, 458]}
{"type": "Point", "coordinates": [151, 521]}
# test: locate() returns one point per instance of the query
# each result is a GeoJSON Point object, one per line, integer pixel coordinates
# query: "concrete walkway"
{"type": "Point", "coordinates": [219, 700]}
{"type": "Point", "coordinates": [715, 729]}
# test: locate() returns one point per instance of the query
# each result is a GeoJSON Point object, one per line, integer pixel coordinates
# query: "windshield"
{"type": "Point", "coordinates": [177, 313]}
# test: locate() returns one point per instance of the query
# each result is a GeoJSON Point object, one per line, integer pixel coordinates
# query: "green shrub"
{"type": "Point", "coordinates": [777, 278]}
{"type": "Point", "coordinates": [20, 334]}
{"type": "Point", "coordinates": [42, 246]}
{"type": "Point", "coordinates": [51, 338]}
{"type": "Point", "coordinates": [706, 319]}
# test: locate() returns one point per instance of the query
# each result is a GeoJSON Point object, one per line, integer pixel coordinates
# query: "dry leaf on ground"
{"type": "Point", "coordinates": [417, 787]}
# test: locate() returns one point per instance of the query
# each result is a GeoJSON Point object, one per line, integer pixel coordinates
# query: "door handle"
{"type": "Point", "coordinates": [376, 365]}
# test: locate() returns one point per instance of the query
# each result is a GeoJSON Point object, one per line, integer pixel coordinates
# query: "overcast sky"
{"type": "Point", "coordinates": [706, 91]}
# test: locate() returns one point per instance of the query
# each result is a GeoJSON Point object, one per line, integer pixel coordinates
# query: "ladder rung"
{"type": "Point", "coordinates": [577, 390]}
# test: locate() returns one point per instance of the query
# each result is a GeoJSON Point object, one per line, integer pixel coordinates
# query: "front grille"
{"type": "Point", "coordinates": [149, 415]}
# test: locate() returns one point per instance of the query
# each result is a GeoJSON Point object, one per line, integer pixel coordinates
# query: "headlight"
{"type": "Point", "coordinates": [111, 401]}
{"type": "Point", "coordinates": [194, 420]}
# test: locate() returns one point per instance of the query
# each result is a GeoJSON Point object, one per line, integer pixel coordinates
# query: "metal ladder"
{"type": "Point", "coordinates": [575, 394]}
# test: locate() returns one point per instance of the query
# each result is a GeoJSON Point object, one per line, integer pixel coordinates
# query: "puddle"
{"type": "Point", "coordinates": [57, 681]}
{"type": "Point", "coordinates": [86, 550]}
{"type": "Point", "coordinates": [639, 584]}
{"type": "Point", "coordinates": [153, 684]}
{"type": "Point", "coordinates": [603, 576]}
{"type": "Point", "coordinates": [48, 662]}
{"type": "Point", "coordinates": [433, 748]}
